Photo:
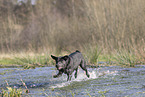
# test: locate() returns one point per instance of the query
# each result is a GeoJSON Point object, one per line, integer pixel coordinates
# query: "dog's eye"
{"type": "Point", "coordinates": [61, 61]}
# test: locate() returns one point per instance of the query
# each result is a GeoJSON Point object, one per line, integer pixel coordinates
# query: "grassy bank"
{"type": "Point", "coordinates": [102, 30]}
{"type": "Point", "coordinates": [93, 56]}
{"type": "Point", "coordinates": [25, 60]}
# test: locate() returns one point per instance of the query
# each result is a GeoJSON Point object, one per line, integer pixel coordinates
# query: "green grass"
{"type": "Point", "coordinates": [37, 59]}
{"type": "Point", "coordinates": [7, 61]}
{"type": "Point", "coordinates": [11, 92]}
{"type": "Point", "coordinates": [2, 73]}
{"type": "Point", "coordinates": [27, 60]}
{"type": "Point", "coordinates": [102, 93]}
{"type": "Point", "coordinates": [125, 58]}
{"type": "Point", "coordinates": [92, 55]}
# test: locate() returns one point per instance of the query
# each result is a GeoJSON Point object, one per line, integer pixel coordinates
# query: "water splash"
{"type": "Point", "coordinates": [60, 85]}
{"type": "Point", "coordinates": [94, 74]}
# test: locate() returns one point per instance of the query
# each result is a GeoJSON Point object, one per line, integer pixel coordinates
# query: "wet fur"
{"type": "Point", "coordinates": [69, 64]}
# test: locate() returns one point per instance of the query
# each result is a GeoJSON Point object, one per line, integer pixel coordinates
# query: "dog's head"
{"type": "Point", "coordinates": [61, 62]}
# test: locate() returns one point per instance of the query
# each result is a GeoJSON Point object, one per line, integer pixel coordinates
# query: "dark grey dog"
{"type": "Point", "coordinates": [67, 64]}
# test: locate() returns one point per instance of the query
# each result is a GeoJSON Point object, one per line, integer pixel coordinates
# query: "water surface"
{"type": "Point", "coordinates": [112, 81]}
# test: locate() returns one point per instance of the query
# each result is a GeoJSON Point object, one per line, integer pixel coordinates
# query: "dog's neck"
{"type": "Point", "coordinates": [68, 62]}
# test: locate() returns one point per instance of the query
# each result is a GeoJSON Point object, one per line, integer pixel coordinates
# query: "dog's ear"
{"type": "Point", "coordinates": [66, 57]}
{"type": "Point", "coordinates": [53, 57]}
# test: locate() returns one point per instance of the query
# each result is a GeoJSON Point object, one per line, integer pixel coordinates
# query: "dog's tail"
{"type": "Point", "coordinates": [78, 51]}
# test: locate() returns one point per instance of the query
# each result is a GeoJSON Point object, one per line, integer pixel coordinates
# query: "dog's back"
{"type": "Point", "coordinates": [76, 56]}
{"type": "Point", "coordinates": [76, 59]}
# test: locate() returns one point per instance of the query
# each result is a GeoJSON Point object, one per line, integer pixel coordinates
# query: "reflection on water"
{"type": "Point", "coordinates": [107, 81]}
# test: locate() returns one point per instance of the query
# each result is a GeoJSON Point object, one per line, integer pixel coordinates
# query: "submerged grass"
{"type": "Point", "coordinates": [102, 93]}
{"type": "Point", "coordinates": [13, 92]}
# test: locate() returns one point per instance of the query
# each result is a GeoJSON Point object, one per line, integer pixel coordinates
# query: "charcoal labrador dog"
{"type": "Point", "coordinates": [69, 64]}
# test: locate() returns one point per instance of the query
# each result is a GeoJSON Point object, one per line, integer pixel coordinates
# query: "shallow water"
{"type": "Point", "coordinates": [112, 81]}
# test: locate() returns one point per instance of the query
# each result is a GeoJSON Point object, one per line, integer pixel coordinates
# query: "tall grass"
{"type": "Point", "coordinates": [92, 53]}
{"type": "Point", "coordinates": [126, 58]}
{"type": "Point", "coordinates": [63, 25]}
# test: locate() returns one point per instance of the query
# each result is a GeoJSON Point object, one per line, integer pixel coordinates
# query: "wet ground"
{"type": "Point", "coordinates": [112, 81]}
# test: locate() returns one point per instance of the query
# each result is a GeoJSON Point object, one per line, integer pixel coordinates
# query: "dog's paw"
{"type": "Point", "coordinates": [55, 76]}
{"type": "Point", "coordinates": [88, 76]}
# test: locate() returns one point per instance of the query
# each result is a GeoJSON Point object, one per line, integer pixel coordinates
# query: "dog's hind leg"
{"type": "Point", "coordinates": [76, 73]}
{"type": "Point", "coordinates": [83, 66]}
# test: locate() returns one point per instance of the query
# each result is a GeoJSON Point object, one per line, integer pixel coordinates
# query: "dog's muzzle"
{"type": "Point", "coordinates": [59, 68]}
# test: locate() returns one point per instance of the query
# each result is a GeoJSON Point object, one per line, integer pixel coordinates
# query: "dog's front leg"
{"type": "Point", "coordinates": [69, 76]}
{"type": "Point", "coordinates": [76, 72]}
{"type": "Point", "coordinates": [58, 75]}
